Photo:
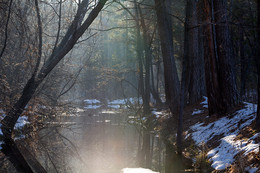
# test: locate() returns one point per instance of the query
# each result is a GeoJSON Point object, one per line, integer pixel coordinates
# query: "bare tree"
{"type": "Point", "coordinates": [74, 32]}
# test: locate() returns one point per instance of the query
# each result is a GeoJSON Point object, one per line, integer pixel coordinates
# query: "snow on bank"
{"type": "Point", "coordinates": [21, 122]}
{"type": "Point", "coordinates": [92, 101]}
{"type": "Point", "coordinates": [125, 101]}
{"type": "Point", "coordinates": [92, 106]}
{"type": "Point", "coordinates": [197, 111]}
{"type": "Point", "coordinates": [158, 114]}
{"type": "Point", "coordinates": [137, 170]}
{"type": "Point", "coordinates": [223, 155]}
{"type": "Point", "coordinates": [114, 104]}
{"type": "Point", "coordinates": [251, 169]}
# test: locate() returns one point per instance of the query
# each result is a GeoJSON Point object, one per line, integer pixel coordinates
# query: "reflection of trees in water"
{"type": "Point", "coordinates": [108, 141]}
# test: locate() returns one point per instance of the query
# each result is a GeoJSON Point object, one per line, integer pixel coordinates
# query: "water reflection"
{"type": "Point", "coordinates": [106, 142]}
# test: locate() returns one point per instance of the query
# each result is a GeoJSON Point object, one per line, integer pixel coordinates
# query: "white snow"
{"type": "Point", "coordinates": [205, 102]}
{"type": "Point", "coordinates": [251, 169]}
{"type": "Point", "coordinates": [223, 155]}
{"type": "Point", "coordinates": [114, 106]}
{"type": "Point", "coordinates": [92, 106]}
{"type": "Point", "coordinates": [21, 122]}
{"type": "Point", "coordinates": [157, 113]}
{"type": "Point", "coordinates": [197, 111]}
{"type": "Point", "coordinates": [132, 100]}
{"type": "Point", "coordinates": [137, 170]}
{"type": "Point", "coordinates": [92, 101]}
{"type": "Point", "coordinates": [163, 98]}
{"type": "Point", "coordinates": [117, 102]}
{"type": "Point", "coordinates": [108, 112]}
{"type": "Point", "coordinates": [107, 121]}
{"type": "Point", "coordinates": [79, 110]}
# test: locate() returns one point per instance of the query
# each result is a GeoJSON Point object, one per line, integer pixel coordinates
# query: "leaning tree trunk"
{"type": "Point", "coordinates": [258, 65]}
{"type": "Point", "coordinates": [227, 80]}
{"type": "Point", "coordinates": [74, 32]}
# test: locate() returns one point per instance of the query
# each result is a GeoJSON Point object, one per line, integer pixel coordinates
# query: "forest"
{"type": "Point", "coordinates": [130, 86]}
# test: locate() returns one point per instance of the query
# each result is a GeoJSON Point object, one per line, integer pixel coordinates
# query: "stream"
{"type": "Point", "coordinates": [107, 142]}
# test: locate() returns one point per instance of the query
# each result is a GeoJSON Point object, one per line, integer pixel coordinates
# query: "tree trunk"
{"type": "Point", "coordinates": [258, 65]}
{"type": "Point", "coordinates": [227, 79]}
{"type": "Point", "coordinates": [170, 158]}
{"type": "Point", "coordinates": [139, 54]}
{"type": "Point", "coordinates": [211, 74]}
{"type": "Point", "coordinates": [147, 64]}
{"type": "Point", "coordinates": [243, 64]}
{"type": "Point", "coordinates": [195, 73]}
{"type": "Point", "coordinates": [219, 68]}
{"type": "Point", "coordinates": [172, 83]}
{"type": "Point", "coordinates": [154, 91]}
{"type": "Point", "coordinates": [184, 78]}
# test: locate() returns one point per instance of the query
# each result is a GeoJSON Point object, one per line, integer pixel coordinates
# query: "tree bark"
{"type": "Point", "coordinates": [211, 74]}
{"type": "Point", "coordinates": [258, 65]}
{"type": "Point", "coordinates": [218, 55]}
{"type": "Point", "coordinates": [139, 54]}
{"type": "Point", "coordinates": [227, 79]}
{"type": "Point", "coordinates": [74, 32]}
{"type": "Point", "coordinates": [195, 71]}
{"type": "Point", "coordinates": [172, 83]}
{"type": "Point", "coordinates": [243, 64]}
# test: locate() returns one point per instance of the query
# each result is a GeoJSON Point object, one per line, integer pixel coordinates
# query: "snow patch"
{"type": "Point", "coordinates": [92, 101]}
{"type": "Point", "coordinates": [21, 122]}
{"type": "Point", "coordinates": [132, 100]}
{"type": "Point", "coordinates": [205, 102]}
{"type": "Point", "coordinates": [223, 155]}
{"type": "Point", "coordinates": [92, 106]}
{"type": "Point", "coordinates": [158, 114]}
{"type": "Point", "coordinates": [114, 106]}
{"type": "Point", "coordinates": [197, 111]}
{"type": "Point", "coordinates": [79, 110]}
{"type": "Point", "coordinates": [137, 170]}
{"type": "Point", "coordinates": [251, 169]}
{"type": "Point", "coordinates": [108, 112]}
